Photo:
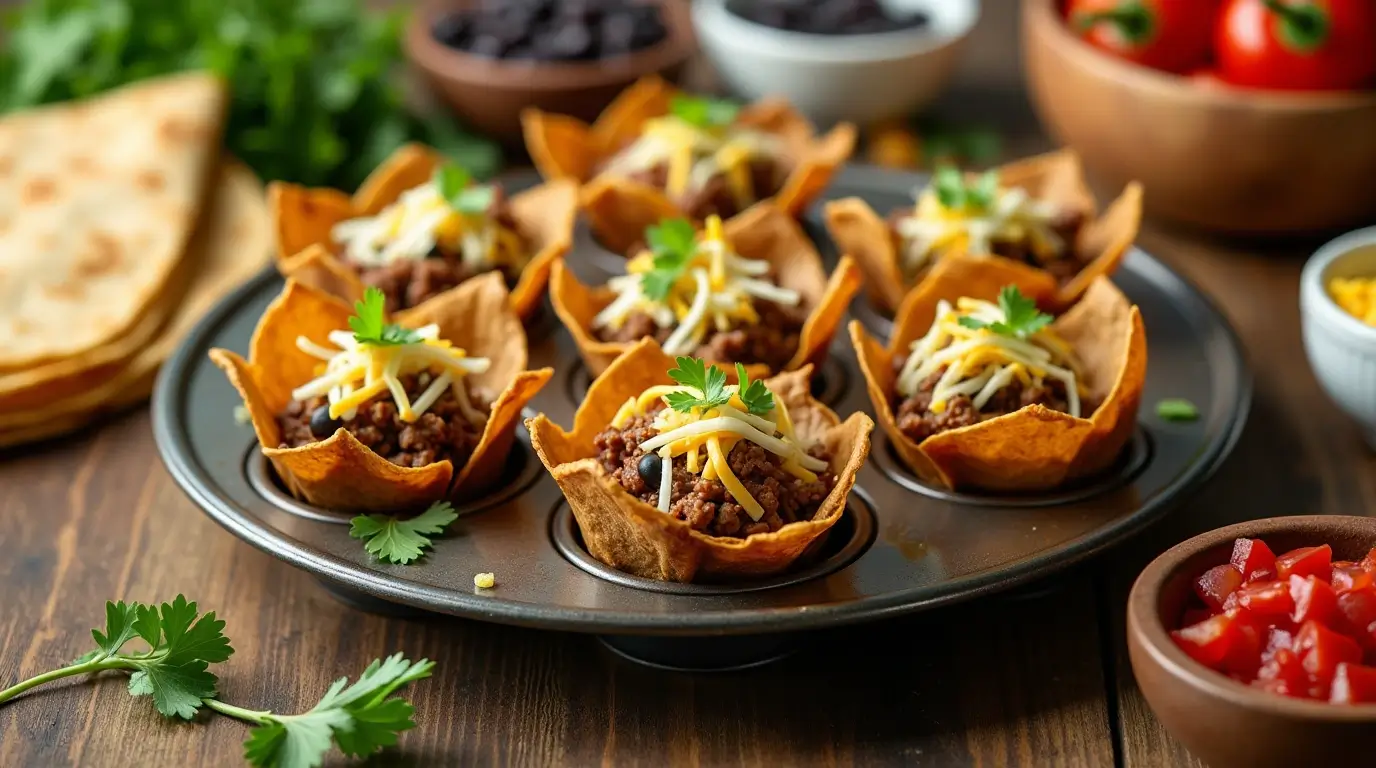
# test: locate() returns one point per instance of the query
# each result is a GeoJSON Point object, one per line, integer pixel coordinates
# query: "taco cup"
{"type": "Point", "coordinates": [657, 153]}
{"type": "Point", "coordinates": [769, 303]}
{"type": "Point", "coordinates": [418, 227]}
{"type": "Point", "coordinates": [1037, 216]}
{"type": "Point", "coordinates": [389, 417]}
{"type": "Point", "coordinates": [789, 488]}
{"type": "Point", "coordinates": [998, 397]}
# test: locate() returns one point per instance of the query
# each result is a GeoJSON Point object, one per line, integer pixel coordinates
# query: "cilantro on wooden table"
{"type": "Point", "coordinates": [400, 541]}
{"type": "Point", "coordinates": [756, 396]}
{"type": "Point", "coordinates": [1020, 316]}
{"type": "Point", "coordinates": [1176, 409]}
{"type": "Point", "coordinates": [370, 326]}
{"type": "Point", "coordinates": [956, 194]}
{"type": "Point", "coordinates": [703, 111]}
{"type": "Point", "coordinates": [455, 185]}
{"type": "Point", "coordinates": [174, 669]}
{"type": "Point", "coordinates": [672, 244]}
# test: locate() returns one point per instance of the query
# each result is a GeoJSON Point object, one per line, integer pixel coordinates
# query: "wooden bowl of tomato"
{"type": "Point", "coordinates": [1255, 644]}
{"type": "Point", "coordinates": [1214, 107]}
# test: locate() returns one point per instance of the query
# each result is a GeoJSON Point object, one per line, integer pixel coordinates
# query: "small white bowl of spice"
{"type": "Point", "coordinates": [1338, 316]}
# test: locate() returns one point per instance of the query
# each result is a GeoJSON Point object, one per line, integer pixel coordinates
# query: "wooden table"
{"type": "Point", "coordinates": [1036, 678]}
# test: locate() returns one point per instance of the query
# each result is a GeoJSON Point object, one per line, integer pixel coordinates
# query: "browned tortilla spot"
{"type": "Point", "coordinates": [6, 165]}
{"type": "Point", "coordinates": [176, 130]}
{"type": "Point", "coordinates": [103, 257]}
{"type": "Point", "coordinates": [38, 190]}
{"type": "Point", "coordinates": [150, 180]}
{"type": "Point", "coordinates": [65, 291]}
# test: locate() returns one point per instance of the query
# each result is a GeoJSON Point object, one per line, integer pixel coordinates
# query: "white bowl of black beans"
{"type": "Point", "coordinates": [852, 60]}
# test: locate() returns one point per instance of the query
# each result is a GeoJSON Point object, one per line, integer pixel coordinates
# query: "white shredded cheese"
{"type": "Point", "coordinates": [1014, 215]}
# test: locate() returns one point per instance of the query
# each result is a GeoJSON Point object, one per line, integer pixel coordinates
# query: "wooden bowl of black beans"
{"type": "Point", "coordinates": [489, 59]}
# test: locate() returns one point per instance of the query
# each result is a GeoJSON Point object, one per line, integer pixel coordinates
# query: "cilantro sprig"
{"type": "Point", "coordinates": [703, 111]}
{"type": "Point", "coordinates": [710, 381]}
{"type": "Point", "coordinates": [174, 670]}
{"type": "Point", "coordinates": [1021, 318]}
{"type": "Point", "coordinates": [956, 194]}
{"type": "Point", "coordinates": [455, 185]}
{"type": "Point", "coordinates": [402, 541]}
{"type": "Point", "coordinates": [1176, 409]}
{"type": "Point", "coordinates": [672, 244]}
{"type": "Point", "coordinates": [370, 327]}
{"type": "Point", "coordinates": [756, 396]}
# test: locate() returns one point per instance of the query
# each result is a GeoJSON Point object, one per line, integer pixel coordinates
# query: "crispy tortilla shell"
{"type": "Point", "coordinates": [1034, 448]}
{"type": "Point", "coordinates": [303, 217]}
{"type": "Point", "coordinates": [762, 232]}
{"type": "Point", "coordinates": [619, 209]}
{"type": "Point", "coordinates": [630, 535]}
{"type": "Point", "coordinates": [1057, 177]}
{"type": "Point", "coordinates": [341, 473]}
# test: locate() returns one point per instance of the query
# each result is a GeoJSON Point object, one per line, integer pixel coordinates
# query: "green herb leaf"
{"type": "Point", "coordinates": [119, 627]}
{"type": "Point", "coordinates": [756, 396]}
{"type": "Point", "coordinates": [369, 327]}
{"type": "Point", "coordinates": [402, 541]}
{"type": "Point", "coordinates": [1021, 318]}
{"type": "Point", "coordinates": [456, 186]}
{"type": "Point", "coordinates": [949, 184]}
{"type": "Point", "coordinates": [984, 192]}
{"type": "Point", "coordinates": [710, 381]}
{"type": "Point", "coordinates": [703, 111]}
{"type": "Point", "coordinates": [1176, 409]}
{"type": "Point", "coordinates": [673, 243]}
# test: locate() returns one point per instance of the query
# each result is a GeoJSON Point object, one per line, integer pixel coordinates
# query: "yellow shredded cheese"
{"type": "Point", "coordinates": [695, 155]}
{"type": "Point", "coordinates": [1014, 216]}
{"type": "Point", "coordinates": [1356, 296]}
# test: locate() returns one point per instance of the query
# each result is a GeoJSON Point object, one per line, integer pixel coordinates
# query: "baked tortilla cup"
{"type": "Point", "coordinates": [619, 209]}
{"type": "Point", "coordinates": [762, 232]}
{"type": "Point", "coordinates": [1056, 177]}
{"type": "Point", "coordinates": [303, 217]}
{"type": "Point", "coordinates": [339, 472]}
{"type": "Point", "coordinates": [632, 536]}
{"type": "Point", "coordinates": [1034, 448]}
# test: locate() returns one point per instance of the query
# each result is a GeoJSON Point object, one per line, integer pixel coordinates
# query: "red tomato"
{"type": "Point", "coordinates": [1269, 600]}
{"type": "Point", "coordinates": [1250, 555]}
{"type": "Point", "coordinates": [1358, 611]}
{"type": "Point", "coordinates": [1216, 584]}
{"type": "Point", "coordinates": [1277, 639]}
{"type": "Point", "coordinates": [1353, 684]}
{"type": "Point", "coordinates": [1321, 650]}
{"type": "Point", "coordinates": [1284, 674]}
{"type": "Point", "coordinates": [1243, 655]}
{"type": "Point", "coordinates": [1173, 35]}
{"type": "Point", "coordinates": [1305, 561]}
{"type": "Point", "coordinates": [1314, 600]}
{"type": "Point", "coordinates": [1265, 574]}
{"type": "Point", "coordinates": [1208, 641]}
{"type": "Point", "coordinates": [1351, 576]}
{"type": "Point", "coordinates": [1297, 44]}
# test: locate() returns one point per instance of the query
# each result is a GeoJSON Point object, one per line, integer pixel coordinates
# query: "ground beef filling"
{"type": "Point", "coordinates": [1067, 225]}
{"type": "Point", "coordinates": [767, 177]}
{"type": "Point", "coordinates": [440, 433]}
{"type": "Point", "coordinates": [705, 504]}
{"type": "Point", "coordinates": [408, 282]}
{"type": "Point", "coordinates": [917, 423]}
{"type": "Point", "coordinates": [772, 341]}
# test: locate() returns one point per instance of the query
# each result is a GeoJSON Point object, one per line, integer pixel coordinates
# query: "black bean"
{"type": "Point", "coordinates": [827, 17]}
{"type": "Point", "coordinates": [451, 29]}
{"type": "Point", "coordinates": [322, 426]}
{"type": "Point", "coordinates": [553, 30]}
{"type": "Point", "coordinates": [650, 467]}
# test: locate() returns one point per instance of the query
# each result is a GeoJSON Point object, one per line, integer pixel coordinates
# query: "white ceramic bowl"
{"type": "Point", "coordinates": [860, 78]}
{"type": "Point", "coordinates": [1341, 348]}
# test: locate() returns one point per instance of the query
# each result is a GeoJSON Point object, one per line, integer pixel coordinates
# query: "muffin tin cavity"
{"type": "Point", "coordinates": [852, 534]}
{"type": "Point", "coordinates": [1136, 456]}
{"type": "Point", "coordinates": [521, 470]}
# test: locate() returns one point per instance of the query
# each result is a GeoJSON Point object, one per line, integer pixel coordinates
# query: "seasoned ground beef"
{"type": "Point", "coordinates": [767, 176]}
{"type": "Point", "coordinates": [440, 433]}
{"type": "Point", "coordinates": [1067, 224]}
{"type": "Point", "coordinates": [918, 423]}
{"type": "Point", "coordinates": [705, 504]}
{"type": "Point", "coordinates": [408, 282]}
{"type": "Point", "coordinates": [772, 341]}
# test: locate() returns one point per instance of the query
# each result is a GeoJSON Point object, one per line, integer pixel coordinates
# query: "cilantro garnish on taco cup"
{"type": "Point", "coordinates": [978, 390]}
{"type": "Point", "coordinates": [1036, 215]}
{"type": "Point", "coordinates": [357, 413]}
{"type": "Point", "coordinates": [750, 290]}
{"type": "Point", "coordinates": [418, 227]}
{"type": "Point", "coordinates": [674, 474]}
{"type": "Point", "coordinates": [657, 153]}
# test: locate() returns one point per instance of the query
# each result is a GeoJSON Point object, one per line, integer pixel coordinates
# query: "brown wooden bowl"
{"type": "Point", "coordinates": [1219, 719]}
{"type": "Point", "coordinates": [489, 94]}
{"type": "Point", "coordinates": [1223, 158]}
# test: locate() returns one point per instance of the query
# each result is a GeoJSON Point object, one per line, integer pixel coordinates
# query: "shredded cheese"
{"type": "Point", "coordinates": [1014, 216]}
{"type": "Point", "coordinates": [1356, 296]}
{"type": "Point", "coordinates": [715, 291]}
{"type": "Point", "coordinates": [695, 155]}
{"type": "Point", "coordinates": [357, 372]}
{"type": "Point", "coordinates": [978, 363]}
{"type": "Point", "coordinates": [420, 221]}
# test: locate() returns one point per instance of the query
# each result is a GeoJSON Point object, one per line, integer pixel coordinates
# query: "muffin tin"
{"type": "Point", "coordinates": [901, 547]}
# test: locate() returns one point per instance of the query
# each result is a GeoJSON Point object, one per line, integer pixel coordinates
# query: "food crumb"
{"type": "Point", "coordinates": [484, 581]}
{"type": "Point", "coordinates": [1356, 296]}
{"type": "Point", "coordinates": [241, 415]}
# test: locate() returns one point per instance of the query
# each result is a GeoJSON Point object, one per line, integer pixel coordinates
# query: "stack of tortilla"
{"type": "Point", "coordinates": [120, 225]}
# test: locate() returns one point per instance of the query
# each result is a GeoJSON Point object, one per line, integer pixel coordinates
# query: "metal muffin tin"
{"type": "Point", "coordinates": [901, 547]}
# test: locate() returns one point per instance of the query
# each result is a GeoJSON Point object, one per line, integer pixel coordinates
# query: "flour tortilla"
{"type": "Point", "coordinates": [97, 201]}
{"type": "Point", "coordinates": [232, 243]}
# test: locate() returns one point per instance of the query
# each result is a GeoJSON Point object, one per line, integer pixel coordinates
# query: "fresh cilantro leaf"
{"type": "Point", "coordinates": [119, 628]}
{"type": "Point", "coordinates": [949, 184]}
{"type": "Point", "coordinates": [1176, 409]}
{"type": "Point", "coordinates": [671, 236]}
{"type": "Point", "coordinates": [984, 192]}
{"type": "Point", "coordinates": [703, 111]}
{"type": "Point", "coordinates": [177, 689]}
{"type": "Point", "coordinates": [1021, 318]}
{"type": "Point", "coordinates": [709, 381]}
{"type": "Point", "coordinates": [369, 327]}
{"type": "Point", "coordinates": [456, 186]}
{"type": "Point", "coordinates": [756, 396]}
{"type": "Point", "coordinates": [672, 243]}
{"type": "Point", "coordinates": [401, 541]}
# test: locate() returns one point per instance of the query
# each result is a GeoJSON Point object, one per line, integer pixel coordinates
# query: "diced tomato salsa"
{"type": "Point", "coordinates": [1295, 624]}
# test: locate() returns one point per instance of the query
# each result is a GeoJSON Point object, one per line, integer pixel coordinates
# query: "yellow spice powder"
{"type": "Point", "coordinates": [1356, 295]}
